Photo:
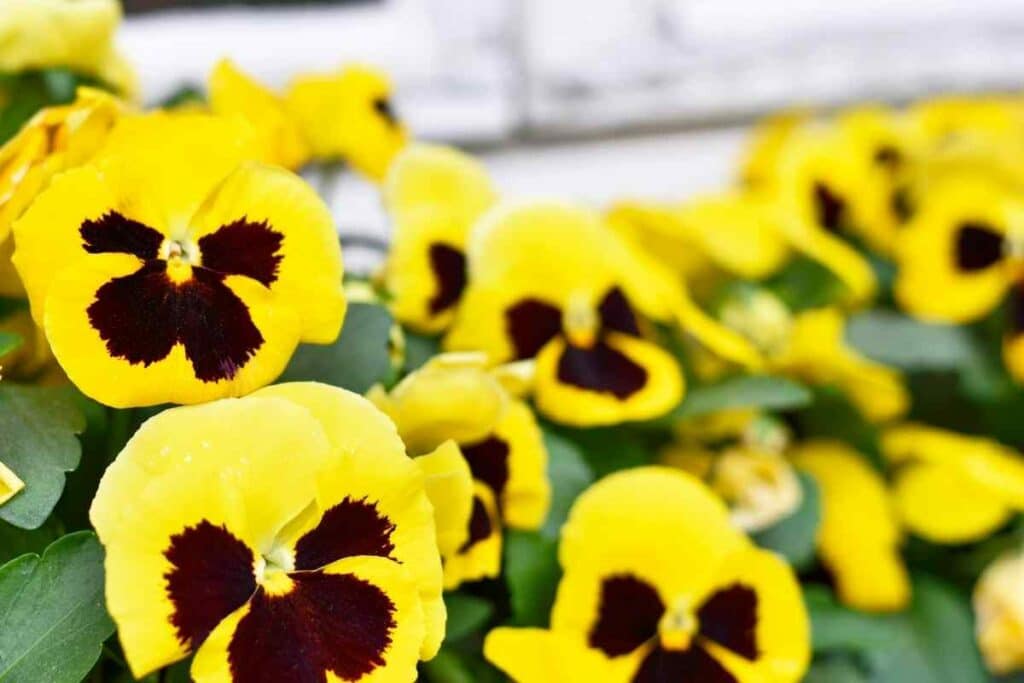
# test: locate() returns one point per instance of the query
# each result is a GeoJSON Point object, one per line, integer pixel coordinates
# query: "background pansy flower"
{"type": "Point", "coordinates": [999, 610]}
{"type": "Point", "coordinates": [349, 115]}
{"type": "Point", "coordinates": [660, 584]}
{"type": "Point", "coordinates": [952, 488]}
{"type": "Point", "coordinates": [479, 555]}
{"type": "Point", "coordinates": [860, 534]}
{"type": "Point", "coordinates": [55, 139]}
{"type": "Point", "coordinates": [434, 195]}
{"type": "Point", "coordinates": [171, 269]}
{"type": "Point", "coordinates": [548, 281]}
{"type": "Point", "coordinates": [284, 532]}
{"type": "Point", "coordinates": [234, 93]}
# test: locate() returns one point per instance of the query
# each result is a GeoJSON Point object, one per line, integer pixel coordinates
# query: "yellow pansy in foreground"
{"type": "Point", "coordinates": [76, 34]}
{"type": "Point", "coordinates": [999, 610]}
{"type": "Point", "coordinates": [171, 269]}
{"type": "Point", "coordinates": [434, 196]}
{"type": "Point", "coordinates": [349, 115]}
{"type": "Point", "coordinates": [953, 488]}
{"type": "Point", "coordinates": [283, 532]}
{"type": "Point", "coordinates": [54, 140]}
{"type": "Point", "coordinates": [456, 399]}
{"type": "Point", "coordinates": [234, 93]}
{"type": "Point", "coordinates": [548, 280]}
{"type": "Point", "coordinates": [658, 585]}
{"type": "Point", "coordinates": [859, 536]}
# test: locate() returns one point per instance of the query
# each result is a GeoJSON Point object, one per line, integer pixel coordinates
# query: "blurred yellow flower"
{"type": "Point", "coordinates": [658, 584]}
{"type": "Point", "coordinates": [291, 517]}
{"type": "Point", "coordinates": [171, 269]}
{"type": "Point", "coordinates": [349, 115]}
{"type": "Point", "coordinates": [999, 610]}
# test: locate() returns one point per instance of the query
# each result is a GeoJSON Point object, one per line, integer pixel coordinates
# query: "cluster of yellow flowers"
{"type": "Point", "coordinates": [302, 532]}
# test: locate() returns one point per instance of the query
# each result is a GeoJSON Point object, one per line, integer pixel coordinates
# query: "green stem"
{"type": "Point", "coordinates": [118, 430]}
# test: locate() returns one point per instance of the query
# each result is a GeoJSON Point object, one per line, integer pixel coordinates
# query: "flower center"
{"type": "Point", "coordinates": [580, 320]}
{"type": "Point", "coordinates": [678, 625]}
{"type": "Point", "coordinates": [272, 570]}
{"type": "Point", "coordinates": [184, 250]}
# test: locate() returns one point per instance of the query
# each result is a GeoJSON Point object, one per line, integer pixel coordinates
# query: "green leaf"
{"type": "Point", "coordinates": [832, 416]}
{"type": "Point", "coordinates": [745, 391]}
{"type": "Point", "coordinates": [902, 342]}
{"type": "Point", "coordinates": [805, 284]}
{"type": "Point", "coordinates": [835, 669]}
{"type": "Point", "coordinates": [931, 642]}
{"type": "Point", "coordinates": [15, 541]}
{"type": "Point", "coordinates": [795, 536]}
{"type": "Point", "coordinates": [610, 449]}
{"type": "Point", "coordinates": [418, 350]}
{"type": "Point", "coordinates": [532, 574]}
{"type": "Point", "coordinates": [9, 341]}
{"type": "Point", "coordinates": [467, 614]}
{"type": "Point", "coordinates": [447, 667]}
{"type": "Point", "coordinates": [569, 475]}
{"type": "Point", "coordinates": [52, 616]}
{"type": "Point", "coordinates": [37, 441]}
{"type": "Point", "coordinates": [356, 361]}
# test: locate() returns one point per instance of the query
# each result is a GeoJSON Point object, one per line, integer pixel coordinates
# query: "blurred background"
{"type": "Point", "coordinates": [591, 100]}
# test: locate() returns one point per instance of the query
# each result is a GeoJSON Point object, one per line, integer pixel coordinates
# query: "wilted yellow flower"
{"type": "Point", "coordinates": [280, 532]}
{"type": "Point", "coordinates": [172, 270]}
{"type": "Point", "coordinates": [349, 116]}
{"type": "Point", "coordinates": [234, 93]}
{"type": "Point", "coordinates": [434, 196]}
{"type": "Point", "coordinates": [999, 610]}
{"type": "Point", "coordinates": [659, 585]}
{"type": "Point", "coordinates": [547, 281]}
{"type": "Point", "coordinates": [76, 34]}
{"type": "Point", "coordinates": [54, 140]}
{"type": "Point", "coordinates": [860, 535]}
{"type": "Point", "coordinates": [760, 487]}
{"type": "Point", "coordinates": [953, 488]}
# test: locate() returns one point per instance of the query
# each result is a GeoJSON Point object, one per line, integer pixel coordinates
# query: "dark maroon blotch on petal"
{"type": "Point", "coordinates": [480, 525]}
{"type": "Point", "coordinates": [211, 576]}
{"type": "Point", "coordinates": [617, 314]}
{"type": "Point", "coordinates": [243, 247]}
{"type": "Point", "coordinates": [829, 207]}
{"type": "Point", "coordinates": [350, 528]}
{"type": "Point", "coordinates": [334, 623]}
{"type": "Point", "coordinates": [449, 267]}
{"type": "Point", "coordinates": [113, 233]}
{"type": "Point", "coordinates": [531, 324]}
{"type": "Point", "coordinates": [978, 246]}
{"type": "Point", "coordinates": [488, 461]}
{"type": "Point", "coordinates": [629, 610]}
{"type": "Point", "coordinates": [729, 617]}
{"type": "Point", "coordinates": [601, 368]}
{"type": "Point", "coordinates": [693, 665]}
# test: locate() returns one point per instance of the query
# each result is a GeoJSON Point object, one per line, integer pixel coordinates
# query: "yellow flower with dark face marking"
{"type": "Point", "coordinates": [54, 140]}
{"type": "Point", "coordinates": [860, 534]}
{"type": "Point", "coordinates": [75, 34]}
{"type": "Point", "coordinates": [283, 532]}
{"type": "Point", "coordinates": [953, 488]}
{"type": "Point", "coordinates": [658, 585]}
{"type": "Point", "coordinates": [456, 399]}
{"type": "Point", "coordinates": [170, 269]}
{"type": "Point", "coordinates": [234, 93]}
{"type": "Point", "coordinates": [549, 281]}
{"type": "Point", "coordinates": [349, 116]}
{"type": "Point", "coordinates": [434, 196]}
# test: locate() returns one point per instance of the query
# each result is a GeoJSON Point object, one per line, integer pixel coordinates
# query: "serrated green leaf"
{"type": "Point", "coordinates": [747, 391]}
{"type": "Point", "coordinates": [795, 537]}
{"type": "Point", "coordinates": [532, 574]}
{"type": "Point", "coordinates": [569, 475]}
{"type": "Point", "coordinates": [467, 614]}
{"type": "Point", "coordinates": [9, 341]}
{"type": "Point", "coordinates": [356, 361]}
{"type": "Point", "coordinates": [902, 342]}
{"type": "Point", "coordinates": [52, 616]}
{"type": "Point", "coordinates": [37, 442]}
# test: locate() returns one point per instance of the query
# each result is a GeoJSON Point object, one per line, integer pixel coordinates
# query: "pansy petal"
{"type": "Point", "coordinates": [621, 378]}
{"type": "Point", "coordinates": [237, 472]}
{"type": "Point", "coordinates": [859, 537]}
{"type": "Point", "coordinates": [10, 484]}
{"type": "Point", "coordinates": [358, 619]}
{"type": "Point", "coordinates": [449, 485]}
{"type": "Point", "coordinates": [127, 335]}
{"type": "Point", "coordinates": [533, 655]}
{"type": "Point", "coordinates": [479, 556]}
{"type": "Point", "coordinates": [305, 268]}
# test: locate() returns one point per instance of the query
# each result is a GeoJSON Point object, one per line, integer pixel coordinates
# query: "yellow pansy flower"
{"type": "Point", "coordinates": [285, 531]}
{"type": "Point", "coordinates": [455, 399]}
{"type": "Point", "coordinates": [76, 34]}
{"type": "Point", "coordinates": [434, 196]}
{"type": "Point", "coordinates": [765, 145]}
{"type": "Point", "coordinates": [349, 115]}
{"type": "Point", "coordinates": [234, 93]}
{"type": "Point", "coordinates": [860, 534]}
{"type": "Point", "coordinates": [953, 488]}
{"type": "Point", "coordinates": [547, 280]}
{"type": "Point", "coordinates": [658, 584]}
{"type": "Point", "coordinates": [54, 140]}
{"type": "Point", "coordinates": [10, 484]}
{"type": "Point", "coordinates": [999, 610]}
{"type": "Point", "coordinates": [171, 269]}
